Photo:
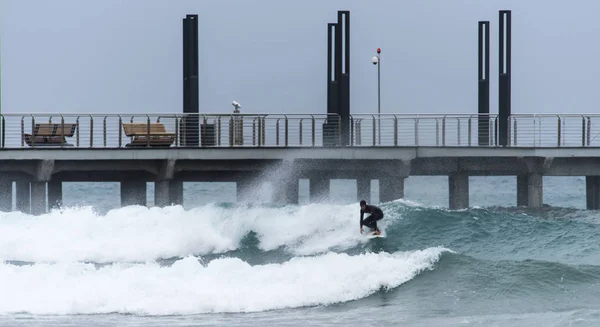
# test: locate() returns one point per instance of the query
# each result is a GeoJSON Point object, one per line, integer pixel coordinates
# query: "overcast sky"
{"type": "Point", "coordinates": [113, 56]}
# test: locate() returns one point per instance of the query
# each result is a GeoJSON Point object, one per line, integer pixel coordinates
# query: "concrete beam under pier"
{"type": "Point", "coordinates": [133, 193]}
{"type": "Point", "coordinates": [458, 191]}
{"type": "Point", "coordinates": [592, 190]}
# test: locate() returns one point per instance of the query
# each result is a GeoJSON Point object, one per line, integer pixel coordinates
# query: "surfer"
{"type": "Point", "coordinates": [371, 221]}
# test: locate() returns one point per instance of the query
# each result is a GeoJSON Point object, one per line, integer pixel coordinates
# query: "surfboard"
{"type": "Point", "coordinates": [372, 235]}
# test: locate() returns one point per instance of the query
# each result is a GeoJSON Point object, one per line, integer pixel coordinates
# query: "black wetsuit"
{"type": "Point", "coordinates": [371, 221]}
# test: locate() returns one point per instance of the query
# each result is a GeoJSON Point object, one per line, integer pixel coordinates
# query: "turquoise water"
{"type": "Point", "coordinates": [214, 262]}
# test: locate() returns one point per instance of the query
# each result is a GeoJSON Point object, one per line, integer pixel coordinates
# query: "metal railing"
{"type": "Point", "coordinates": [296, 130]}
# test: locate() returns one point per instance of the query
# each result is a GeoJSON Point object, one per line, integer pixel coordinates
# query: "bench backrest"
{"type": "Point", "coordinates": [52, 129]}
{"type": "Point", "coordinates": [133, 128]}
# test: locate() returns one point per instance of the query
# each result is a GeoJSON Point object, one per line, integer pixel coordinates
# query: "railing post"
{"type": "Point", "coordinates": [300, 129]}
{"type": "Point", "coordinates": [219, 131]}
{"type": "Point", "coordinates": [374, 131]}
{"type": "Point", "coordinates": [514, 131]}
{"type": "Point", "coordinates": [277, 132]}
{"type": "Point", "coordinates": [352, 131]}
{"type": "Point", "coordinates": [589, 130]}
{"type": "Point", "coordinates": [559, 131]}
{"type": "Point", "coordinates": [22, 131]}
{"type": "Point", "coordinates": [121, 132]}
{"type": "Point", "coordinates": [469, 130]}
{"type": "Point", "coordinates": [104, 130]}
{"type": "Point", "coordinates": [91, 131]}
{"type": "Point", "coordinates": [416, 131]}
{"type": "Point", "coordinates": [437, 132]}
{"type": "Point", "coordinates": [458, 131]}
{"type": "Point", "coordinates": [3, 131]}
{"type": "Point", "coordinates": [32, 131]}
{"type": "Point", "coordinates": [444, 131]}
{"type": "Point", "coordinates": [313, 130]}
{"type": "Point", "coordinates": [147, 131]}
{"type": "Point", "coordinates": [396, 130]}
{"type": "Point", "coordinates": [286, 131]}
{"type": "Point", "coordinates": [62, 128]}
{"type": "Point", "coordinates": [254, 131]}
{"type": "Point", "coordinates": [259, 131]}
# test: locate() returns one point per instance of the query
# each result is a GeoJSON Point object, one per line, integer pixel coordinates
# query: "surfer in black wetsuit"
{"type": "Point", "coordinates": [371, 221]}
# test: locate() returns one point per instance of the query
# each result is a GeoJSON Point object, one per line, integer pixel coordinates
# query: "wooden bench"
{"type": "Point", "coordinates": [50, 134]}
{"type": "Point", "coordinates": [141, 136]}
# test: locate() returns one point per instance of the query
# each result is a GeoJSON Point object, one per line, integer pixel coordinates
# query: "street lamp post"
{"type": "Point", "coordinates": [377, 61]}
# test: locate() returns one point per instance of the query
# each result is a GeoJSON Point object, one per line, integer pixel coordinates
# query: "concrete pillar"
{"type": "Point", "coordinates": [286, 191]}
{"type": "Point", "coordinates": [391, 188]}
{"type": "Point", "coordinates": [522, 191]}
{"type": "Point", "coordinates": [5, 195]}
{"type": "Point", "coordinates": [592, 190]}
{"type": "Point", "coordinates": [244, 189]}
{"type": "Point", "coordinates": [133, 193]}
{"type": "Point", "coordinates": [23, 194]}
{"type": "Point", "coordinates": [38, 198]}
{"type": "Point", "coordinates": [319, 189]}
{"type": "Point", "coordinates": [458, 187]}
{"type": "Point", "coordinates": [535, 190]}
{"type": "Point", "coordinates": [176, 192]}
{"type": "Point", "coordinates": [363, 189]}
{"type": "Point", "coordinates": [161, 193]}
{"type": "Point", "coordinates": [54, 194]}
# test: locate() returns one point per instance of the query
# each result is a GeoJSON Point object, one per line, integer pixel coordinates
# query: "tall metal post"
{"type": "Point", "coordinates": [504, 109]}
{"type": "Point", "coordinates": [379, 93]}
{"type": "Point", "coordinates": [190, 130]}
{"type": "Point", "coordinates": [483, 84]}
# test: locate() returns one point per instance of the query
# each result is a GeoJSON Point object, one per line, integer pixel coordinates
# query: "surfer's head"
{"type": "Point", "coordinates": [363, 204]}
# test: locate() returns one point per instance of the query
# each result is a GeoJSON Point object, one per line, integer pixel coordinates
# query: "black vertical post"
{"type": "Point", "coordinates": [504, 110]}
{"type": "Point", "coordinates": [343, 72]}
{"type": "Point", "coordinates": [483, 124]}
{"type": "Point", "coordinates": [190, 126]}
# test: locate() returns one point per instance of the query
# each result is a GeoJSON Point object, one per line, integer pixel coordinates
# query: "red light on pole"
{"type": "Point", "coordinates": [378, 50]}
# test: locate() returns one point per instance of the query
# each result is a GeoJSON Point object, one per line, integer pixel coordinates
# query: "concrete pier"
{"type": "Point", "coordinates": [5, 195]}
{"type": "Point", "coordinates": [54, 194]}
{"type": "Point", "coordinates": [530, 190]}
{"type": "Point", "coordinates": [133, 193]}
{"type": "Point", "coordinates": [458, 187]}
{"type": "Point", "coordinates": [319, 189]}
{"type": "Point", "coordinates": [176, 192]}
{"type": "Point", "coordinates": [592, 190]}
{"type": "Point", "coordinates": [38, 198]}
{"type": "Point", "coordinates": [363, 189]}
{"type": "Point", "coordinates": [23, 196]}
{"type": "Point", "coordinates": [161, 193]}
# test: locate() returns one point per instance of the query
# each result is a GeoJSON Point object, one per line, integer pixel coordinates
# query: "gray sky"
{"type": "Point", "coordinates": [118, 56]}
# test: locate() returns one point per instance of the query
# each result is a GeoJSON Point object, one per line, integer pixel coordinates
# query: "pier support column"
{"type": "Point", "coordinates": [244, 189]}
{"type": "Point", "coordinates": [161, 193]}
{"type": "Point", "coordinates": [530, 190]}
{"type": "Point", "coordinates": [133, 193]}
{"type": "Point", "coordinates": [522, 191]}
{"type": "Point", "coordinates": [54, 194]}
{"type": "Point", "coordinates": [391, 188]}
{"type": "Point", "coordinates": [176, 192]}
{"type": "Point", "coordinates": [38, 198]}
{"type": "Point", "coordinates": [592, 190]}
{"type": "Point", "coordinates": [458, 187]}
{"type": "Point", "coordinates": [23, 194]}
{"type": "Point", "coordinates": [318, 189]}
{"type": "Point", "coordinates": [286, 185]}
{"type": "Point", "coordinates": [363, 189]}
{"type": "Point", "coordinates": [5, 195]}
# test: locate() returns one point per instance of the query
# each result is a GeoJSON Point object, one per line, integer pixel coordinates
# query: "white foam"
{"type": "Point", "coordinates": [137, 233]}
{"type": "Point", "coordinates": [188, 287]}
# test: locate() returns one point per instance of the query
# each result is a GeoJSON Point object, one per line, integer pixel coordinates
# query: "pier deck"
{"type": "Point", "coordinates": [282, 149]}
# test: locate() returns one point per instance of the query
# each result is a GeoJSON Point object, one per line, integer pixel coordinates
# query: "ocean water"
{"type": "Point", "coordinates": [216, 262]}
